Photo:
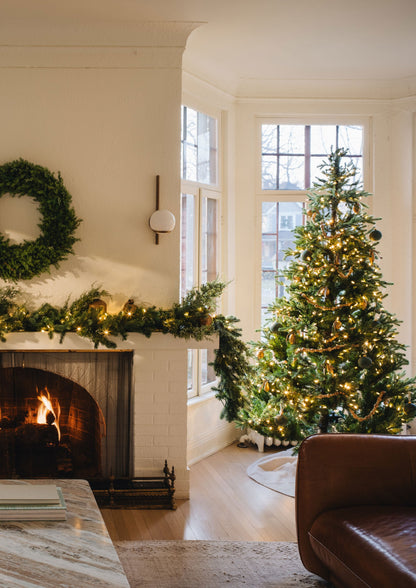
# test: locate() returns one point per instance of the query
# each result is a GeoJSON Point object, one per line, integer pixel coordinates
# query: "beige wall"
{"type": "Point", "coordinates": [107, 118]}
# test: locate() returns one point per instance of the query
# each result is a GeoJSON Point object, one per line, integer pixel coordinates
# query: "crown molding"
{"type": "Point", "coordinates": [29, 33]}
{"type": "Point", "coordinates": [99, 45]}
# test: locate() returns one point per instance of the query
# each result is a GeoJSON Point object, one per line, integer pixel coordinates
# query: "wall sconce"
{"type": "Point", "coordinates": [161, 221]}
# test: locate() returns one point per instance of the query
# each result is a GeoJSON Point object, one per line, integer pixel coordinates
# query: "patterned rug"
{"type": "Point", "coordinates": [213, 564]}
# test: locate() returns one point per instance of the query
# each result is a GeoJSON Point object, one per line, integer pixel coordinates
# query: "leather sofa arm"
{"type": "Point", "coordinates": [342, 470]}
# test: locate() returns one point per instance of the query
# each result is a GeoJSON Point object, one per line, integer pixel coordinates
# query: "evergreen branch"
{"type": "Point", "coordinates": [189, 319]}
{"type": "Point", "coordinates": [371, 413]}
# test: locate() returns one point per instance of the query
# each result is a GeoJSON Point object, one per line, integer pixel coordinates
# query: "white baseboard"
{"type": "Point", "coordinates": [212, 441]}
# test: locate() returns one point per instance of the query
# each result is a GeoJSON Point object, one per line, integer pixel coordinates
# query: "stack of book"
{"type": "Point", "coordinates": [31, 502]}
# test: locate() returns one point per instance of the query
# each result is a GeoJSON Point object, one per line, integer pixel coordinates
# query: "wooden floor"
{"type": "Point", "coordinates": [225, 504]}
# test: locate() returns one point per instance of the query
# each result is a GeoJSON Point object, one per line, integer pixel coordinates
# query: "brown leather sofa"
{"type": "Point", "coordinates": [356, 509]}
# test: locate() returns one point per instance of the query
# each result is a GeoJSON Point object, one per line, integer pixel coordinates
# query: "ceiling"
{"type": "Point", "coordinates": [243, 43]}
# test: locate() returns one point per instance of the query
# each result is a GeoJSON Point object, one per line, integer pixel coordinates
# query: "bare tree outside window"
{"type": "Point", "coordinates": [291, 156]}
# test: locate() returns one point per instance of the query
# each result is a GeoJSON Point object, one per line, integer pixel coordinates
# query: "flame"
{"type": "Point", "coordinates": [46, 407]}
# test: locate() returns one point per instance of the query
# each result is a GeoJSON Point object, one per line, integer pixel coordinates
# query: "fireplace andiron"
{"type": "Point", "coordinates": [146, 492]}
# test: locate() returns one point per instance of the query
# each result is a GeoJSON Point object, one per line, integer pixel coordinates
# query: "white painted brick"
{"type": "Point", "coordinates": [175, 454]}
{"type": "Point", "coordinates": [143, 440]}
{"type": "Point", "coordinates": [159, 389]}
{"type": "Point", "coordinates": [162, 408]}
{"type": "Point", "coordinates": [162, 419]}
{"type": "Point", "coordinates": [141, 418]}
{"type": "Point", "coordinates": [182, 483]}
{"type": "Point", "coordinates": [144, 409]}
{"type": "Point", "coordinates": [180, 418]}
{"type": "Point", "coordinates": [172, 354]}
{"type": "Point", "coordinates": [158, 453]}
{"type": "Point", "coordinates": [143, 376]}
{"type": "Point", "coordinates": [176, 430]}
{"type": "Point", "coordinates": [143, 392]}
{"type": "Point", "coordinates": [142, 356]}
{"type": "Point", "coordinates": [170, 376]}
{"type": "Point", "coordinates": [155, 430]}
{"type": "Point", "coordinates": [178, 388]}
{"type": "Point", "coordinates": [171, 441]}
{"type": "Point", "coordinates": [176, 365]}
{"type": "Point", "coordinates": [157, 364]}
{"type": "Point", "coordinates": [144, 463]}
{"type": "Point", "coordinates": [177, 408]}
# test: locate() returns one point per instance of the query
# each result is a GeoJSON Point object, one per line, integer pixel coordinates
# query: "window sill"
{"type": "Point", "coordinates": [203, 398]}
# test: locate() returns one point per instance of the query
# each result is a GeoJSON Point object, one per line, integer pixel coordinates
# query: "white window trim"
{"type": "Point", "coordinates": [200, 190]}
{"type": "Point", "coordinates": [288, 195]}
{"type": "Point", "coordinates": [195, 189]}
{"type": "Point", "coordinates": [217, 114]}
{"type": "Point", "coordinates": [213, 195]}
{"type": "Point", "coordinates": [298, 195]}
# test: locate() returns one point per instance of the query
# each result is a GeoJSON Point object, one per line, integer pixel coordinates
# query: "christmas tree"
{"type": "Point", "coordinates": [329, 359]}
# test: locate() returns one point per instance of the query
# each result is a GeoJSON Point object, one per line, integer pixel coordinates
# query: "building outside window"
{"type": "Point", "coordinates": [200, 214]}
{"type": "Point", "coordinates": [290, 158]}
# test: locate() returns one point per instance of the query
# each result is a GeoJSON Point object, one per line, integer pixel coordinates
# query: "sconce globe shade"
{"type": "Point", "coordinates": [162, 221]}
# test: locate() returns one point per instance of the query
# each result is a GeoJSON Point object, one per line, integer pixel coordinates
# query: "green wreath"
{"type": "Point", "coordinates": [58, 224]}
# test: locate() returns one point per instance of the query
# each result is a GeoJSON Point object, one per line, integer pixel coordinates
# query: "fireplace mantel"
{"type": "Point", "coordinates": [159, 394]}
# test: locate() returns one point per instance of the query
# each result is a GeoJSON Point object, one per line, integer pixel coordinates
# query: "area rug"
{"type": "Point", "coordinates": [213, 564]}
{"type": "Point", "coordinates": [276, 471]}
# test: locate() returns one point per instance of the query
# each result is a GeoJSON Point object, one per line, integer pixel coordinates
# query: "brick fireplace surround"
{"type": "Point", "coordinates": [159, 382]}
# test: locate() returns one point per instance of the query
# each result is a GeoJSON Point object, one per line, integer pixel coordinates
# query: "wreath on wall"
{"type": "Point", "coordinates": [57, 227]}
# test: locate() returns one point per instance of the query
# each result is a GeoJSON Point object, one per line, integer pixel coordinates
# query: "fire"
{"type": "Point", "coordinates": [45, 408]}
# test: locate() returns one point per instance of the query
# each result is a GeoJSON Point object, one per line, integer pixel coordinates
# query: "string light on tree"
{"type": "Point", "coordinates": [337, 364]}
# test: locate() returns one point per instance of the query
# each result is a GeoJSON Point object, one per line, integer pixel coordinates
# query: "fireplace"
{"type": "Point", "coordinates": [65, 414]}
{"type": "Point", "coordinates": [152, 394]}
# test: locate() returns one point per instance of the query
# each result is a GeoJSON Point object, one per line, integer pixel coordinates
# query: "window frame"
{"type": "Point", "coordinates": [198, 192]}
{"type": "Point", "coordinates": [201, 190]}
{"type": "Point", "coordinates": [217, 117]}
{"type": "Point", "coordinates": [263, 195]}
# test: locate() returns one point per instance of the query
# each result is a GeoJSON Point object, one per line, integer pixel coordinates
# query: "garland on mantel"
{"type": "Point", "coordinates": [193, 318]}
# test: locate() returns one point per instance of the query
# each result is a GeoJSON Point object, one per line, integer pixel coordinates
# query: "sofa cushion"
{"type": "Point", "coordinates": [368, 545]}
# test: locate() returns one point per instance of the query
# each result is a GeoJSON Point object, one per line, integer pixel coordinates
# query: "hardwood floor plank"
{"type": "Point", "coordinates": [225, 504]}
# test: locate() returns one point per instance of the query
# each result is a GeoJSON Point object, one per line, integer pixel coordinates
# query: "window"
{"type": "Point", "coordinates": [200, 214]}
{"type": "Point", "coordinates": [199, 147]}
{"type": "Point", "coordinates": [278, 221]}
{"type": "Point", "coordinates": [290, 158]}
{"type": "Point", "coordinates": [199, 261]}
{"type": "Point", "coordinates": [291, 154]}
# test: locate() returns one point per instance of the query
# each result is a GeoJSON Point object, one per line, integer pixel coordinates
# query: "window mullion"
{"type": "Point", "coordinates": [277, 159]}
{"type": "Point", "coordinates": [307, 156]}
{"type": "Point", "coordinates": [277, 250]}
{"type": "Point", "coordinates": [198, 228]}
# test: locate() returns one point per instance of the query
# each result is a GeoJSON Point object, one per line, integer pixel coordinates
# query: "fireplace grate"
{"type": "Point", "coordinates": [138, 493]}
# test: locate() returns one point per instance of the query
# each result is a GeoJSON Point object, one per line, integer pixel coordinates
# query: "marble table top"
{"type": "Point", "coordinates": [76, 553]}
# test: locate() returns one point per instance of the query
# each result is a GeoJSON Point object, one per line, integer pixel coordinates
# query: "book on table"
{"type": "Point", "coordinates": [28, 502]}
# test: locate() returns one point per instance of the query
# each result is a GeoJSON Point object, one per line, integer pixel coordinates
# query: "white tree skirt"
{"type": "Point", "coordinates": [277, 472]}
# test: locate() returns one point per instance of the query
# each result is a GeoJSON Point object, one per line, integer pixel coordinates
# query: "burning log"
{"type": "Point", "coordinates": [35, 450]}
{"type": "Point", "coordinates": [35, 435]}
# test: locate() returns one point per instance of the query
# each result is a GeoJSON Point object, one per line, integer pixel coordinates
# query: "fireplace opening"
{"type": "Point", "coordinates": [49, 426]}
{"type": "Point", "coordinates": [52, 426]}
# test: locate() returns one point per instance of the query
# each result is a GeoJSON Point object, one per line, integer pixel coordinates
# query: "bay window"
{"type": "Point", "coordinates": [200, 214]}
